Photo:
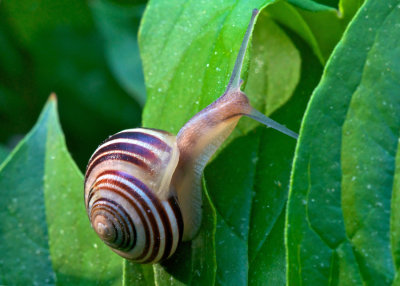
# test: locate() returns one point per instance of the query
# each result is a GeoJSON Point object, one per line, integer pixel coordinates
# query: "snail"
{"type": "Point", "coordinates": [143, 186]}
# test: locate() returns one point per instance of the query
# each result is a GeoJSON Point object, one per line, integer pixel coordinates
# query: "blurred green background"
{"type": "Point", "coordinates": [84, 51]}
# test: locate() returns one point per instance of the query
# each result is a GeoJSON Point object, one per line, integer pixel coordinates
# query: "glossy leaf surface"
{"type": "Point", "coordinates": [342, 217]}
{"type": "Point", "coordinates": [46, 236]}
{"type": "Point", "coordinates": [247, 182]}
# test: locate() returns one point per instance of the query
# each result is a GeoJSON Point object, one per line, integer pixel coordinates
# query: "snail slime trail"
{"type": "Point", "coordinates": [143, 186]}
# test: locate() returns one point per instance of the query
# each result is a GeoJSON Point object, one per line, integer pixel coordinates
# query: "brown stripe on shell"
{"type": "Point", "coordinates": [130, 148]}
{"type": "Point", "coordinates": [159, 208]}
{"type": "Point", "coordinates": [143, 137]}
{"type": "Point", "coordinates": [135, 135]}
{"type": "Point", "coordinates": [168, 225]}
{"type": "Point", "coordinates": [118, 156]}
{"type": "Point", "coordinates": [148, 211]}
{"type": "Point", "coordinates": [173, 202]}
{"type": "Point", "coordinates": [167, 228]}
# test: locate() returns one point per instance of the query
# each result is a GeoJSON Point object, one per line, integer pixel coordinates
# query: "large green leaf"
{"type": "Point", "coordinates": [342, 223]}
{"type": "Point", "coordinates": [44, 230]}
{"type": "Point", "coordinates": [314, 6]}
{"type": "Point", "coordinates": [188, 59]}
{"type": "Point", "coordinates": [321, 30]}
{"type": "Point", "coordinates": [274, 76]}
{"type": "Point", "coordinates": [137, 274]}
{"type": "Point", "coordinates": [248, 181]}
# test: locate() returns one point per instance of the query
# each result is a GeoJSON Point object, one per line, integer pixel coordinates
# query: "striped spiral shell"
{"type": "Point", "coordinates": [128, 197]}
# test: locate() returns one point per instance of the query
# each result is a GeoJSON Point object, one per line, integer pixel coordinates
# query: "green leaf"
{"type": "Point", "coordinates": [118, 25]}
{"type": "Point", "coordinates": [137, 274]}
{"type": "Point", "coordinates": [230, 181]}
{"type": "Point", "coordinates": [274, 77]}
{"type": "Point", "coordinates": [46, 236]}
{"type": "Point", "coordinates": [341, 227]}
{"type": "Point", "coordinates": [23, 228]}
{"type": "Point", "coordinates": [289, 16]}
{"type": "Point", "coordinates": [269, 266]}
{"type": "Point", "coordinates": [253, 171]}
{"type": "Point", "coordinates": [349, 7]}
{"type": "Point", "coordinates": [188, 59]}
{"type": "Point", "coordinates": [310, 5]}
{"type": "Point", "coordinates": [320, 28]}
{"type": "Point", "coordinates": [248, 183]}
{"type": "Point", "coordinates": [3, 153]}
{"type": "Point", "coordinates": [327, 27]}
{"type": "Point", "coordinates": [395, 217]}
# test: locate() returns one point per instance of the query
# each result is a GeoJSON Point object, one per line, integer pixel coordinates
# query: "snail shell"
{"type": "Point", "coordinates": [128, 196]}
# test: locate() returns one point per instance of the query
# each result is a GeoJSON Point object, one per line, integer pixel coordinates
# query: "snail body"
{"type": "Point", "coordinates": [143, 186]}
